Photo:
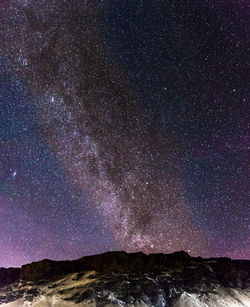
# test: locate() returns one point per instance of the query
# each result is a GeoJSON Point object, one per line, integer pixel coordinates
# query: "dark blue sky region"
{"type": "Point", "coordinates": [124, 125]}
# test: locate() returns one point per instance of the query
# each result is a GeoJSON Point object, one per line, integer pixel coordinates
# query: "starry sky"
{"type": "Point", "coordinates": [124, 125]}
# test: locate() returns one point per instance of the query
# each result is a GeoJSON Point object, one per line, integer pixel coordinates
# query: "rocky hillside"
{"type": "Point", "coordinates": [121, 279]}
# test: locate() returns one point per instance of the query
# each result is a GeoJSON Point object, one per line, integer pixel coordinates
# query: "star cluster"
{"type": "Point", "coordinates": [124, 125]}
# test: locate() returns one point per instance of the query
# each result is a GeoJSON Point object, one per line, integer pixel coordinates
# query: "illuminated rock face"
{"type": "Point", "coordinates": [121, 279]}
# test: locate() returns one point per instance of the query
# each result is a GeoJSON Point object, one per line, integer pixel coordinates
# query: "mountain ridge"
{"type": "Point", "coordinates": [128, 279]}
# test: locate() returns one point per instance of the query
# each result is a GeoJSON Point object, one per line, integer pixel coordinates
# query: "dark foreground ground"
{"type": "Point", "coordinates": [122, 279]}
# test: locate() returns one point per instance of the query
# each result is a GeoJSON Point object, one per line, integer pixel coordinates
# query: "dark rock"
{"type": "Point", "coordinates": [8, 276]}
{"type": "Point", "coordinates": [122, 278]}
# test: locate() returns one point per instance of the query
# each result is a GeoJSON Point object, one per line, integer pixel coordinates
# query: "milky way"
{"type": "Point", "coordinates": [124, 125]}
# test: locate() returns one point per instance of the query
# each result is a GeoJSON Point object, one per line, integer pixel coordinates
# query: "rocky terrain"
{"type": "Point", "coordinates": [122, 279]}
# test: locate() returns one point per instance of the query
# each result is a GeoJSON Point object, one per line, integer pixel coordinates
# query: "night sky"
{"type": "Point", "coordinates": [124, 125]}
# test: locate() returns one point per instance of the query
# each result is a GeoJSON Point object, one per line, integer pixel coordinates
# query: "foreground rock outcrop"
{"type": "Point", "coordinates": [121, 279]}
